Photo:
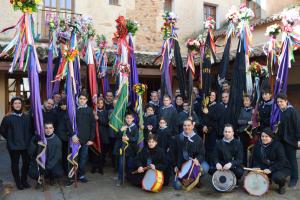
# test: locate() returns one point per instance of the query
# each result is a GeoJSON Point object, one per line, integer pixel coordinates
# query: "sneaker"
{"type": "Point", "coordinates": [69, 183]}
{"type": "Point", "coordinates": [25, 184]}
{"type": "Point", "coordinates": [281, 190]}
{"type": "Point", "coordinates": [293, 184]}
{"type": "Point", "coordinates": [83, 179]}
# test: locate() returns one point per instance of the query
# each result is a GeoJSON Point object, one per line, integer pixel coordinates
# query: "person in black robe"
{"type": "Point", "coordinates": [17, 128]}
{"type": "Point", "coordinates": [179, 103]}
{"type": "Point", "coordinates": [188, 145]}
{"type": "Point", "coordinates": [265, 109]}
{"type": "Point", "coordinates": [50, 114]}
{"type": "Point", "coordinates": [169, 113]}
{"type": "Point", "coordinates": [225, 115]}
{"type": "Point", "coordinates": [86, 125]}
{"type": "Point", "coordinates": [98, 161]}
{"type": "Point", "coordinates": [109, 98]}
{"type": "Point", "coordinates": [127, 134]}
{"type": "Point", "coordinates": [56, 99]}
{"type": "Point", "coordinates": [212, 118]}
{"type": "Point", "coordinates": [289, 134]}
{"type": "Point", "coordinates": [269, 156]}
{"type": "Point", "coordinates": [151, 157]}
{"type": "Point", "coordinates": [53, 169]}
{"type": "Point", "coordinates": [150, 121]}
{"type": "Point", "coordinates": [154, 101]}
{"type": "Point", "coordinates": [244, 126]}
{"type": "Point", "coordinates": [64, 132]}
{"type": "Point", "coordinates": [184, 114]}
{"type": "Point", "coordinates": [228, 153]}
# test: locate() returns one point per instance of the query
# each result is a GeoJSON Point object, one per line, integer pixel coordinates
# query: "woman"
{"type": "Point", "coordinates": [269, 156]}
{"type": "Point", "coordinates": [179, 103]}
{"type": "Point", "coordinates": [151, 157]}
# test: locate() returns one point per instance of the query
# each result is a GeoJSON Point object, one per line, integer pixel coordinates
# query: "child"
{"type": "Point", "coordinates": [265, 109]}
{"type": "Point", "coordinates": [128, 135]}
{"type": "Point", "coordinates": [150, 121]}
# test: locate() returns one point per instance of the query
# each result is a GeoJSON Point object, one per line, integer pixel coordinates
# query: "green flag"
{"type": "Point", "coordinates": [116, 120]}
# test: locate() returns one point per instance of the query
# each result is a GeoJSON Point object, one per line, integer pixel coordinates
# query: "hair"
{"type": "Point", "coordinates": [163, 119]}
{"type": "Point", "coordinates": [152, 92]}
{"type": "Point", "coordinates": [48, 123]}
{"type": "Point", "coordinates": [129, 113]}
{"type": "Point", "coordinates": [225, 82]}
{"type": "Point", "coordinates": [63, 102]}
{"type": "Point", "coordinates": [213, 91]}
{"type": "Point", "coordinates": [84, 95]}
{"type": "Point", "coordinates": [150, 106]}
{"type": "Point", "coordinates": [167, 96]}
{"type": "Point", "coordinates": [228, 126]}
{"type": "Point", "coordinates": [188, 120]}
{"type": "Point", "coordinates": [152, 137]}
{"type": "Point", "coordinates": [266, 91]}
{"type": "Point", "coordinates": [281, 95]}
{"type": "Point", "coordinates": [225, 92]}
{"type": "Point", "coordinates": [101, 99]}
{"type": "Point", "coordinates": [179, 96]}
{"type": "Point", "coordinates": [109, 91]}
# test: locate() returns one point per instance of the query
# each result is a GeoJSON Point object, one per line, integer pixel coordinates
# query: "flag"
{"type": "Point", "coordinates": [134, 79]}
{"type": "Point", "coordinates": [141, 123]}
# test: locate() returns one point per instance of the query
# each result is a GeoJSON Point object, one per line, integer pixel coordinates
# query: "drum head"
{"type": "Point", "coordinates": [149, 179]}
{"type": "Point", "coordinates": [256, 184]}
{"type": "Point", "coordinates": [224, 181]}
{"type": "Point", "coordinates": [185, 168]}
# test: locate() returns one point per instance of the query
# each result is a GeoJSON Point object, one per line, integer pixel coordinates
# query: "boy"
{"type": "Point", "coordinates": [150, 121]}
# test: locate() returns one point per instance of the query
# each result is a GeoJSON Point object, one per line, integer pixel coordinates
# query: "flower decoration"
{"type": "Point", "coordinates": [124, 68]}
{"type": "Point", "coordinates": [209, 23]}
{"type": "Point", "coordinates": [52, 21]}
{"type": "Point", "coordinates": [26, 6]}
{"type": "Point", "coordinates": [70, 54]}
{"type": "Point", "coordinates": [101, 41]}
{"type": "Point", "coordinates": [257, 70]}
{"type": "Point", "coordinates": [122, 30]}
{"type": "Point", "coordinates": [273, 30]}
{"type": "Point", "coordinates": [233, 15]}
{"type": "Point", "coordinates": [245, 13]}
{"type": "Point", "coordinates": [140, 88]}
{"type": "Point", "coordinates": [132, 26]}
{"type": "Point", "coordinates": [193, 45]}
{"type": "Point", "coordinates": [289, 18]}
{"type": "Point", "coordinates": [169, 27]}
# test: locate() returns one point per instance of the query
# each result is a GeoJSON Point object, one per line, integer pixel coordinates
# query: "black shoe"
{"type": "Point", "coordinates": [52, 181]}
{"type": "Point", "coordinates": [83, 179]}
{"type": "Point", "coordinates": [93, 170]}
{"type": "Point", "coordinates": [25, 184]}
{"type": "Point", "coordinates": [293, 184]}
{"type": "Point", "coordinates": [69, 183]}
{"type": "Point", "coordinates": [100, 171]}
{"type": "Point", "coordinates": [281, 190]}
{"type": "Point", "coordinates": [19, 186]}
{"type": "Point", "coordinates": [38, 186]}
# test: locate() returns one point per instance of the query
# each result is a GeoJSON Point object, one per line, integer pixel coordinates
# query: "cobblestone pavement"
{"type": "Point", "coordinates": [102, 187]}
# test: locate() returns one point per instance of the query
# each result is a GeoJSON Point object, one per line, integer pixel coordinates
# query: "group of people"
{"type": "Point", "coordinates": [175, 132]}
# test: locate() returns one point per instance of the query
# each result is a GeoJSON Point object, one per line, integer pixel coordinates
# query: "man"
{"type": "Point", "coordinates": [289, 134]}
{"type": "Point", "coordinates": [169, 113]}
{"type": "Point", "coordinates": [16, 128]}
{"type": "Point", "coordinates": [53, 168]}
{"type": "Point", "coordinates": [225, 86]}
{"type": "Point", "coordinates": [225, 110]}
{"type": "Point", "coordinates": [228, 153]}
{"type": "Point", "coordinates": [56, 98]}
{"type": "Point", "coordinates": [49, 114]}
{"type": "Point", "coordinates": [188, 145]}
{"type": "Point", "coordinates": [185, 114]}
{"type": "Point", "coordinates": [269, 156]}
{"type": "Point", "coordinates": [109, 98]}
{"type": "Point", "coordinates": [154, 100]}
{"type": "Point", "coordinates": [86, 125]}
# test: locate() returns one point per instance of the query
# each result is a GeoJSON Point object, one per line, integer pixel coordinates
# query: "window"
{"type": "Point", "coordinates": [114, 2]}
{"type": "Point", "coordinates": [255, 7]}
{"type": "Point", "coordinates": [210, 11]}
{"type": "Point", "coordinates": [168, 5]}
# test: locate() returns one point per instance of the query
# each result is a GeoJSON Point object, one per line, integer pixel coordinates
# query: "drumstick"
{"type": "Point", "coordinates": [255, 170]}
{"type": "Point", "coordinates": [136, 171]}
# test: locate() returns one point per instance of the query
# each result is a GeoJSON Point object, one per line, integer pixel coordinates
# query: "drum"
{"type": "Point", "coordinates": [256, 183]}
{"type": "Point", "coordinates": [189, 175]}
{"type": "Point", "coordinates": [224, 181]}
{"type": "Point", "coordinates": [153, 180]}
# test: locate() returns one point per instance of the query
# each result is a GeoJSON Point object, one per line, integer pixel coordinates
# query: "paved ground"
{"type": "Point", "coordinates": [102, 187]}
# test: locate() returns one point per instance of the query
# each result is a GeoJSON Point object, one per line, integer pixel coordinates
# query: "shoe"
{"type": "Point", "coordinates": [83, 179]}
{"type": "Point", "coordinates": [281, 190]}
{"type": "Point", "coordinates": [38, 186]}
{"type": "Point", "coordinates": [100, 171]}
{"type": "Point", "coordinates": [19, 186]}
{"type": "Point", "coordinates": [25, 184]}
{"type": "Point", "coordinates": [118, 183]}
{"type": "Point", "coordinates": [93, 170]}
{"type": "Point", "coordinates": [52, 181]}
{"type": "Point", "coordinates": [293, 184]}
{"type": "Point", "coordinates": [69, 183]}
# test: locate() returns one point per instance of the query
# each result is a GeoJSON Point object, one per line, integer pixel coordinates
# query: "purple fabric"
{"type": "Point", "coordinates": [281, 82]}
{"type": "Point", "coordinates": [134, 79]}
{"type": "Point", "coordinates": [77, 75]}
{"type": "Point", "coordinates": [35, 99]}
{"type": "Point", "coordinates": [193, 175]}
{"type": "Point", "coordinates": [166, 80]}
{"type": "Point", "coordinates": [49, 74]}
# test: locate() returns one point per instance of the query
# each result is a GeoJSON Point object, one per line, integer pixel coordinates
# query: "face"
{"type": "Point", "coordinates": [225, 86]}
{"type": "Point", "coordinates": [177, 92]}
{"type": "Point", "coordinates": [167, 101]}
{"type": "Point", "coordinates": [82, 100]}
{"type": "Point", "coordinates": [186, 107]}
{"type": "Point", "coordinates": [152, 144]}
{"type": "Point", "coordinates": [49, 129]}
{"type": "Point", "coordinates": [49, 104]}
{"type": "Point", "coordinates": [17, 105]}
{"type": "Point", "coordinates": [150, 111]}
{"type": "Point", "coordinates": [228, 133]}
{"type": "Point", "coordinates": [179, 101]}
{"type": "Point", "coordinates": [282, 104]}
{"type": "Point", "coordinates": [188, 127]}
{"type": "Point", "coordinates": [109, 96]}
{"type": "Point", "coordinates": [212, 97]}
{"type": "Point", "coordinates": [265, 138]}
{"type": "Point", "coordinates": [100, 104]}
{"type": "Point", "coordinates": [129, 119]}
{"type": "Point", "coordinates": [246, 102]}
{"type": "Point", "coordinates": [154, 97]}
{"type": "Point", "coordinates": [266, 96]}
{"type": "Point", "coordinates": [57, 98]}
{"type": "Point", "coordinates": [63, 107]}
{"type": "Point", "coordinates": [225, 98]}
{"type": "Point", "coordinates": [162, 123]}
{"type": "Point", "coordinates": [196, 91]}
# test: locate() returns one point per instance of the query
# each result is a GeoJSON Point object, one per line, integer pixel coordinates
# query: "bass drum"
{"type": "Point", "coordinates": [224, 181]}
{"type": "Point", "coordinates": [256, 184]}
{"type": "Point", "coordinates": [153, 180]}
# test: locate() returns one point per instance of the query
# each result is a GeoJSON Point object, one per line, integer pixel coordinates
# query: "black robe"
{"type": "Point", "coordinates": [86, 125]}
{"type": "Point", "coordinates": [171, 116]}
{"type": "Point", "coordinates": [17, 130]}
{"type": "Point", "coordinates": [185, 115]}
{"type": "Point", "coordinates": [150, 120]}
{"type": "Point", "coordinates": [164, 137]}
{"type": "Point", "coordinates": [50, 116]}
{"type": "Point", "coordinates": [103, 126]}
{"type": "Point", "coordinates": [64, 128]}
{"type": "Point", "coordinates": [132, 133]}
{"type": "Point", "coordinates": [264, 111]}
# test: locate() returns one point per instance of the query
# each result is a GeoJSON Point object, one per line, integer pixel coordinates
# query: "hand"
{"type": "Point", "coordinates": [267, 171]}
{"type": "Point", "coordinates": [227, 166]}
{"type": "Point", "coordinates": [219, 166]}
{"type": "Point", "coordinates": [140, 170]}
{"type": "Point", "coordinates": [124, 128]}
{"type": "Point", "coordinates": [250, 122]}
{"type": "Point", "coordinates": [125, 138]}
{"type": "Point", "coordinates": [298, 144]}
{"type": "Point", "coordinates": [205, 110]}
{"type": "Point", "coordinates": [176, 169]}
{"type": "Point", "coordinates": [96, 117]}
{"type": "Point", "coordinates": [205, 129]}
{"type": "Point", "coordinates": [152, 166]}
{"type": "Point", "coordinates": [89, 143]}
{"type": "Point", "coordinates": [196, 162]}
{"type": "Point", "coordinates": [256, 168]}
{"type": "Point", "coordinates": [75, 139]}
